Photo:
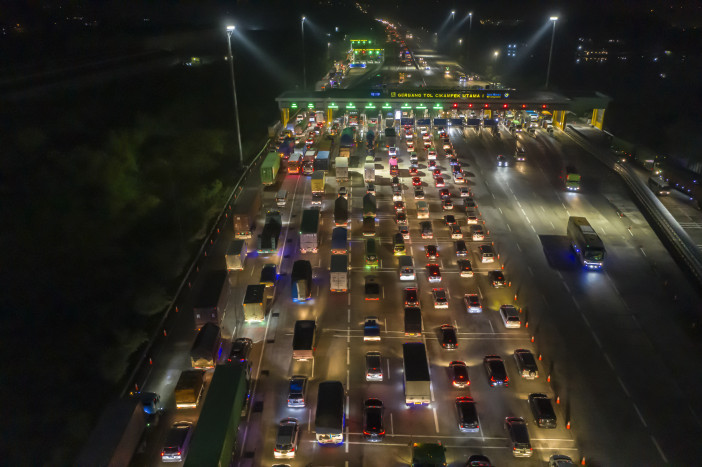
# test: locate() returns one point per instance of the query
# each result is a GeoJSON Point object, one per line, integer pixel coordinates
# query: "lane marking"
{"type": "Point", "coordinates": [643, 252]}
{"type": "Point", "coordinates": [553, 226]}
{"type": "Point", "coordinates": [500, 209]}
{"type": "Point", "coordinates": [509, 228]}
{"type": "Point", "coordinates": [640, 416]}
{"type": "Point", "coordinates": [436, 420]}
{"type": "Point", "coordinates": [348, 356]}
{"type": "Point", "coordinates": [387, 361]}
{"type": "Point", "coordinates": [347, 397]}
{"type": "Point", "coordinates": [349, 315]}
{"type": "Point", "coordinates": [518, 247]}
{"type": "Point", "coordinates": [660, 451]}
{"type": "Point", "coordinates": [532, 228]}
{"type": "Point", "coordinates": [530, 270]}
{"type": "Point", "coordinates": [566, 287]}
{"type": "Point", "coordinates": [597, 339]}
{"type": "Point", "coordinates": [621, 383]}
{"type": "Point", "coordinates": [392, 426]}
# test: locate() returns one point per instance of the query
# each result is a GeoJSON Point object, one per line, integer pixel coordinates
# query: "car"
{"type": "Point", "coordinates": [502, 161]}
{"type": "Point", "coordinates": [401, 218]}
{"type": "Point", "coordinates": [439, 182]}
{"type": "Point", "coordinates": [395, 181]}
{"type": "Point", "coordinates": [486, 253]}
{"type": "Point", "coordinates": [427, 144]}
{"type": "Point", "coordinates": [542, 410]}
{"type": "Point", "coordinates": [370, 158]}
{"type": "Point", "coordinates": [431, 154]}
{"type": "Point", "coordinates": [526, 364]}
{"type": "Point", "coordinates": [449, 219]}
{"type": "Point", "coordinates": [469, 203]}
{"type": "Point", "coordinates": [410, 144]}
{"type": "Point", "coordinates": [370, 189]}
{"type": "Point", "coordinates": [496, 278]}
{"type": "Point", "coordinates": [510, 316]}
{"type": "Point", "coordinates": [519, 437]}
{"type": "Point", "coordinates": [399, 206]}
{"type": "Point", "coordinates": [396, 193]}
{"type": "Point", "coordinates": [297, 389]}
{"type": "Point", "coordinates": [392, 151]}
{"type": "Point", "coordinates": [374, 367]}
{"type": "Point", "coordinates": [432, 252]}
{"type": "Point", "coordinates": [444, 193]}
{"type": "Point", "coordinates": [427, 231]}
{"type": "Point", "coordinates": [411, 297]}
{"type": "Point", "coordinates": [440, 300]}
{"type": "Point", "coordinates": [416, 181]}
{"type": "Point", "coordinates": [418, 193]}
{"type": "Point", "coordinates": [476, 233]}
{"type": "Point", "coordinates": [177, 442]}
{"type": "Point", "coordinates": [456, 233]}
{"type": "Point", "coordinates": [478, 460]}
{"type": "Point", "coordinates": [459, 374]}
{"type": "Point", "coordinates": [371, 329]}
{"type": "Point", "coordinates": [465, 192]}
{"type": "Point", "coordinates": [471, 217]}
{"type": "Point", "coordinates": [446, 204]}
{"type": "Point", "coordinates": [343, 191]}
{"type": "Point", "coordinates": [531, 131]}
{"type": "Point", "coordinates": [413, 169]}
{"type": "Point", "coordinates": [448, 339]}
{"type": "Point", "coordinates": [461, 249]}
{"type": "Point", "coordinates": [443, 134]}
{"type": "Point", "coordinates": [436, 172]}
{"type": "Point", "coordinates": [309, 141]}
{"type": "Point", "coordinates": [458, 177]}
{"type": "Point", "coordinates": [453, 160]}
{"type": "Point", "coordinates": [286, 438]}
{"type": "Point", "coordinates": [317, 199]}
{"type": "Point", "coordinates": [472, 303]}
{"type": "Point", "coordinates": [433, 273]}
{"type": "Point", "coordinates": [496, 371]}
{"type": "Point", "coordinates": [372, 288]}
{"type": "Point", "coordinates": [467, 415]}
{"type": "Point", "coordinates": [431, 164]}
{"type": "Point", "coordinates": [465, 268]}
{"type": "Point", "coordinates": [446, 144]}
{"type": "Point", "coordinates": [404, 231]}
{"type": "Point", "coordinates": [426, 136]}
{"type": "Point", "coordinates": [520, 154]}
{"type": "Point", "coordinates": [560, 460]}
{"type": "Point", "coordinates": [241, 348]}
{"type": "Point", "coordinates": [373, 429]}
{"type": "Point", "coordinates": [413, 157]}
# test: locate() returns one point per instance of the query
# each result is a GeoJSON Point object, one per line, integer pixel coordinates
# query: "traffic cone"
{"type": "Point", "coordinates": [548, 378]}
{"type": "Point", "coordinates": [582, 462]}
{"type": "Point", "coordinates": [558, 399]}
{"type": "Point", "coordinates": [515, 297]}
{"type": "Point", "coordinates": [532, 339]}
{"type": "Point", "coordinates": [151, 362]}
{"type": "Point", "coordinates": [526, 324]}
{"type": "Point", "coordinates": [502, 267]}
{"type": "Point", "coordinates": [539, 357]}
{"type": "Point", "coordinates": [165, 334]}
{"type": "Point", "coordinates": [568, 425]}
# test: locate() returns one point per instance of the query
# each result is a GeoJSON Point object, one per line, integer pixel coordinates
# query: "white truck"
{"type": "Point", "coordinates": [416, 374]}
{"type": "Point", "coordinates": [236, 255]}
{"type": "Point", "coordinates": [369, 173]}
{"type": "Point", "coordinates": [339, 273]}
{"type": "Point", "coordinates": [309, 231]}
{"type": "Point", "coordinates": [342, 168]}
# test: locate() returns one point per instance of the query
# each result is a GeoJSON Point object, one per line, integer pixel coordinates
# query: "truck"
{"type": "Point", "coordinates": [309, 231]}
{"type": "Point", "coordinates": [390, 137]}
{"type": "Point", "coordinates": [346, 141]}
{"type": "Point", "coordinates": [248, 201]}
{"type": "Point", "coordinates": [339, 273]}
{"type": "Point", "coordinates": [341, 212]}
{"type": "Point", "coordinates": [428, 455]}
{"type": "Point", "coordinates": [268, 239]}
{"type": "Point", "coordinates": [321, 162]}
{"type": "Point", "coordinates": [318, 182]}
{"type": "Point", "coordinates": [342, 168]}
{"type": "Point", "coordinates": [304, 339]}
{"type": "Point", "coordinates": [329, 420]}
{"type": "Point", "coordinates": [269, 168]}
{"type": "Point", "coordinates": [371, 329]}
{"type": "Point", "coordinates": [369, 172]}
{"type": "Point", "coordinates": [207, 347]}
{"type": "Point", "coordinates": [301, 281]}
{"type": "Point", "coordinates": [255, 303]}
{"type": "Point", "coordinates": [208, 306]}
{"type": "Point", "coordinates": [369, 205]}
{"type": "Point", "coordinates": [370, 139]}
{"type": "Point", "coordinates": [286, 148]}
{"type": "Point", "coordinates": [116, 436]}
{"type": "Point", "coordinates": [215, 434]}
{"type": "Point", "coordinates": [413, 321]}
{"type": "Point", "coordinates": [236, 255]}
{"type": "Point", "coordinates": [416, 374]}
{"type": "Point", "coordinates": [308, 161]}
{"type": "Point", "coordinates": [339, 242]}
{"type": "Point", "coordinates": [572, 179]}
{"type": "Point", "coordinates": [189, 389]}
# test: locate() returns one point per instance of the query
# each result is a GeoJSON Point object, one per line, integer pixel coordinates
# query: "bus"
{"type": "Point", "coordinates": [659, 186]}
{"type": "Point", "coordinates": [294, 163]}
{"type": "Point", "coordinates": [371, 255]}
{"type": "Point", "coordinates": [586, 243]}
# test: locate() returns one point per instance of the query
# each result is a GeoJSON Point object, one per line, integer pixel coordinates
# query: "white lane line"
{"type": "Point", "coordinates": [436, 420]}
{"type": "Point", "coordinates": [520, 205]}
{"type": "Point", "coordinates": [349, 314]}
{"type": "Point", "coordinates": [309, 421]}
{"type": "Point", "coordinates": [346, 447]}
{"type": "Point", "coordinates": [480, 291]}
{"type": "Point", "coordinates": [567, 213]}
{"type": "Point", "coordinates": [518, 247]}
{"type": "Point", "coordinates": [252, 271]}
{"type": "Point", "coordinates": [500, 209]}
{"type": "Point", "coordinates": [492, 329]}
{"type": "Point", "coordinates": [638, 412]}
{"type": "Point", "coordinates": [553, 226]}
{"type": "Point", "coordinates": [642, 251]}
{"type": "Point", "coordinates": [542, 208]}
{"type": "Point", "coordinates": [509, 228]}
{"type": "Point", "coordinates": [559, 274]}
{"type": "Point", "coordinates": [609, 362]}
{"type": "Point", "coordinates": [530, 271]}
{"type": "Point", "coordinates": [585, 319]}
{"type": "Point", "coordinates": [564, 206]}
{"type": "Point", "coordinates": [348, 356]}
{"type": "Point", "coordinates": [577, 305]}
{"type": "Point", "coordinates": [347, 388]}
{"type": "Point", "coordinates": [532, 228]}
{"type": "Point", "coordinates": [566, 287]}
{"type": "Point", "coordinates": [621, 383]}
{"type": "Point", "coordinates": [527, 218]}
{"type": "Point", "coordinates": [493, 195]}
{"type": "Point", "coordinates": [348, 334]}
{"type": "Point", "coordinates": [392, 426]}
{"type": "Point", "coordinates": [387, 361]}
{"type": "Point", "coordinates": [630, 232]}
{"type": "Point", "coordinates": [603, 231]}
{"type": "Point", "coordinates": [660, 451]}
{"type": "Point", "coordinates": [597, 339]}
{"type": "Point", "coordinates": [486, 182]}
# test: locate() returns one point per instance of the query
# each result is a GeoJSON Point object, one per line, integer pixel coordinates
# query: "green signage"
{"type": "Point", "coordinates": [310, 105]}
{"type": "Point", "coordinates": [387, 106]}
{"type": "Point", "coordinates": [293, 106]}
{"type": "Point", "coordinates": [332, 106]}
{"type": "Point", "coordinates": [370, 106]}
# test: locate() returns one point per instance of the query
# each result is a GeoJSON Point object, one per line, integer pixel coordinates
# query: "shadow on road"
{"type": "Point", "coordinates": [558, 252]}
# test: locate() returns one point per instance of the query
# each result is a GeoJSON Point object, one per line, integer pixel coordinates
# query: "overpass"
{"type": "Point", "coordinates": [443, 102]}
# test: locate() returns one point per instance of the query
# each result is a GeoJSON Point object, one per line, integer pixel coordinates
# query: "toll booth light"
{"type": "Point", "coordinates": [504, 106]}
{"type": "Point", "coordinates": [543, 106]}
{"type": "Point", "coordinates": [293, 106]}
{"type": "Point", "coordinates": [523, 106]}
{"type": "Point", "coordinates": [310, 105]}
{"type": "Point", "coordinates": [470, 106]}
{"type": "Point", "coordinates": [438, 107]}
{"type": "Point", "coordinates": [387, 106]}
{"type": "Point", "coordinates": [487, 105]}
{"type": "Point", "coordinates": [455, 105]}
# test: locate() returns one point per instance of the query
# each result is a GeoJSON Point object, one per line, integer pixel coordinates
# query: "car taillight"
{"type": "Point", "coordinates": [382, 432]}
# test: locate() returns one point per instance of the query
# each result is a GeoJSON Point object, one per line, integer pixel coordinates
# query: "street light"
{"type": "Point", "coordinates": [550, 53]}
{"type": "Point", "coordinates": [304, 67]}
{"type": "Point", "coordinates": [470, 26]}
{"type": "Point", "coordinates": [230, 30]}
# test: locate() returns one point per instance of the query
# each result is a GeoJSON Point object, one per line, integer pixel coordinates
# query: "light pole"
{"type": "Point", "coordinates": [550, 53]}
{"type": "Point", "coordinates": [230, 30]}
{"type": "Point", "coordinates": [470, 26]}
{"type": "Point", "coordinates": [304, 66]}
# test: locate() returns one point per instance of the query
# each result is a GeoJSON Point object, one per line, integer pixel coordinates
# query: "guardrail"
{"type": "Point", "coordinates": [142, 367]}
{"type": "Point", "coordinates": [683, 248]}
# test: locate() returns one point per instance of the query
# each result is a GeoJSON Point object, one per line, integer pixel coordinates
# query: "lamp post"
{"type": "Point", "coordinates": [550, 53]}
{"type": "Point", "coordinates": [304, 66]}
{"type": "Point", "coordinates": [230, 30]}
{"type": "Point", "coordinates": [470, 26]}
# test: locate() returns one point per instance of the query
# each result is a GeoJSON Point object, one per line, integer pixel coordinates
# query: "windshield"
{"type": "Point", "coordinates": [594, 254]}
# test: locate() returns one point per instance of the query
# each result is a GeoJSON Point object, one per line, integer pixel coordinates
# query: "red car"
{"type": "Point", "coordinates": [416, 181]}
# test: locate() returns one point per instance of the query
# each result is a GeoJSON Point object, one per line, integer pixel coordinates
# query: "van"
{"type": "Point", "coordinates": [281, 198]}
{"type": "Point", "coordinates": [519, 437]}
{"type": "Point", "coordinates": [371, 254]}
{"type": "Point", "coordinates": [407, 268]}
{"type": "Point", "coordinates": [369, 226]}
{"type": "Point", "coordinates": [487, 254]}
{"type": "Point", "coordinates": [398, 245]}
{"type": "Point", "coordinates": [422, 210]}
{"type": "Point", "coordinates": [542, 410]}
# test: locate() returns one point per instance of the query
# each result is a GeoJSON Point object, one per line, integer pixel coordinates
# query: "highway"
{"type": "Point", "coordinates": [619, 361]}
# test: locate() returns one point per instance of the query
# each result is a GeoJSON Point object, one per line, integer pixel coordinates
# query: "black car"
{"type": "Point", "coordinates": [478, 461]}
{"type": "Point", "coordinates": [450, 219]}
{"type": "Point", "coordinates": [448, 337]}
{"type": "Point", "coordinates": [526, 364]}
{"type": "Point", "coordinates": [373, 429]}
{"type": "Point", "coordinates": [467, 415]}
{"type": "Point", "coordinates": [496, 371]}
{"type": "Point", "coordinates": [469, 203]}
{"type": "Point", "coordinates": [542, 410]}
{"type": "Point", "coordinates": [241, 348]}
{"type": "Point", "coordinates": [496, 278]}
{"type": "Point", "coordinates": [461, 249]}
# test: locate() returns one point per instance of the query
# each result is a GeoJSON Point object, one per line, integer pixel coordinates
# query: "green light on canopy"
{"type": "Point", "coordinates": [387, 106]}
{"type": "Point", "coordinates": [438, 107]}
{"type": "Point", "coordinates": [332, 106]}
{"type": "Point", "coordinates": [293, 106]}
{"type": "Point", "coordinates": [310, 105]}
{"type": "Point", "coordinates": [406, 106]}
{"type": "Point", "coordinates": [421, 106]}
{"type": "Point", "coordinates": [350, 105]}
{"type": "Point", "coordinates": [370, 106]}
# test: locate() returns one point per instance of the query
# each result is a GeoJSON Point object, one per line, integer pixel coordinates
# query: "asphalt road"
{"type": "Point", "coordinates": [620, 361]}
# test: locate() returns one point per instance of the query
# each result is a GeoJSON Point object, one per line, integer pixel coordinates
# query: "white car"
{"type": "Point", "coordinates": [431, 155]}
{"type": "Point", "coordinates": [392, 151]}
{"type": "Point", "coordinates": [510, 316]}
{"type": "Point", "coordinates": [472, 302]}
{"type": "Point", "coordinates": [465, 192]}
{"type": "Point", "coordinates": [440, 300]}
{"type": "Point", "coordinates": [477, 233]}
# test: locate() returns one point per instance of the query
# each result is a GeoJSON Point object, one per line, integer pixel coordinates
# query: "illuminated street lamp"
{"type": "Point", "coordinates": [230, 30]}
{"type": "Point", "coordinates": [304, 67]}
{"type": "Point", "coordinates": [550, 53]}
{"type": "Point", "coordinates": [470, 26]}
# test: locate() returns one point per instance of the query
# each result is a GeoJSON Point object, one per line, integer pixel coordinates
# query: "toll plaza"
{"type": "Point", "coordinates": [458, 107]}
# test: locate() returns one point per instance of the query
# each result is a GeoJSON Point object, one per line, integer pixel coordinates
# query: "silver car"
{"type": "Point", "coordinates": [286, 438]}
{"type": "Point", "coordinates": [177, 442]}
{"type": "Point", "coordinates": [374, 368]}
